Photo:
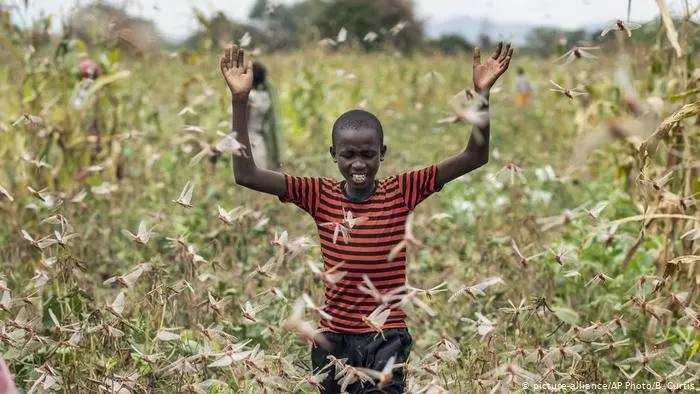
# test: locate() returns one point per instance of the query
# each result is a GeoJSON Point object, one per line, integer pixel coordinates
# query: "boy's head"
{"type": "Point", "coordinates": [358, 147]}
{"type": "Point", "coordinates": [521, 71]}
{"type": "Point", "coordinates": [259, 73]}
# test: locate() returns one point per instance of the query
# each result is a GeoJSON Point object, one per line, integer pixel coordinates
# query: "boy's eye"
{"type": "Point", "coordinates": [368, 155]}
{"type": "Point", "coordinates": [347, 155]}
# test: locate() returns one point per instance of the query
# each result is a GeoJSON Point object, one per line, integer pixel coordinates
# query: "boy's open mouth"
{"type": "Point", "coordinates": [359, 178]}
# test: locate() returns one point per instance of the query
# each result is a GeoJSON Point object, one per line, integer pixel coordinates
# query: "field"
{"type": "Point", "coordinates": [593, 232]}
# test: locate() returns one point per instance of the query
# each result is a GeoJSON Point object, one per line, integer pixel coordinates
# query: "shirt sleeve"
{"type": "Point", "coordinates": [303, 192]}
{"type": "Point", "coordinates": [417, 185]}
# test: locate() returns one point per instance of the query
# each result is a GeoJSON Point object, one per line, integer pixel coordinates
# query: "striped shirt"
{"type": "Point", "coordinates": [369, 243]}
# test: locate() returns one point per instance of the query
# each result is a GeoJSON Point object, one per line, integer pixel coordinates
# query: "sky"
{"type": "Point", "coordinates": [175, 20]}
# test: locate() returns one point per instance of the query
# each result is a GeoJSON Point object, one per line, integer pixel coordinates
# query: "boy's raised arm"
{"type": "Point", "coordinates": [239, 78]}
{"type": "Point", "coordinates": [476, 154]}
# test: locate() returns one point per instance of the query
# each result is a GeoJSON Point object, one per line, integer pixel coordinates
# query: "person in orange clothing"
{"type": "Point", "coordinates": [523, 89]}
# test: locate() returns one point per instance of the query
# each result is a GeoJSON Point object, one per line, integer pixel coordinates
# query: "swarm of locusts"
{"type": "Point", "coordinates": [135, 265]}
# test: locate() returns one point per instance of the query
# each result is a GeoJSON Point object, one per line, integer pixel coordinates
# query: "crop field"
{"type": "Point", "coordinates": [587, 211]}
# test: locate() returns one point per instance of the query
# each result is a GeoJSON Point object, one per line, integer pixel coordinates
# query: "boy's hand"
{"type": "Point", "coordinates": [7, 384]}
{"type": "Point", "coordinates": [485, 75]}
{"type": "Point", "coordinates": [238, 76]}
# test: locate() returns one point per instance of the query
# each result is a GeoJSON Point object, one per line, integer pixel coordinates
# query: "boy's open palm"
{"type": "Point", "coordinates": [486, 74]}
{"type": "Point", "coordinates": [238, 75]}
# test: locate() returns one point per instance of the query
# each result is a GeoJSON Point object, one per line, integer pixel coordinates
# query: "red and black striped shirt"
{"type": "Point", "coordinates": [369, 243]}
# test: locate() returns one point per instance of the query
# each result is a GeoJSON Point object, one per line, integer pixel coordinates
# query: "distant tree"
{"type": "Point", "coordinates": [287, 25]}
{"type": "Point", "coordinates": [7, 28]}
{"type": "Point", "coordinates": [544, 41]}
{"type": "Point", "coordinates": [451, 44]}
{"type": "Point", "coordinates": [484, 39]}
{"type": "Point", "coordinates": [11, 46]}
{"type": "Point", "coordinates": [575, 37]}
{"type": "Point", "coordinates": [394, 21]}
{"type": "Point", "coordinates": [258, 10]}
{"type": "Point", "coordinates": [218, 31]}
{"type": "Point", "coordinates": [103, 23]}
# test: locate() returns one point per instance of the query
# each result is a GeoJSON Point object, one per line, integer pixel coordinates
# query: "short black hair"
{"type": "Point", "coordinates": [259, 73]}
{"type": "Point", "coordinates": [355, 119]}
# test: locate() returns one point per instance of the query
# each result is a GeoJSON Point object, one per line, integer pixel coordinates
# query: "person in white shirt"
{"type": "Point", "coordinates": [262, 121]}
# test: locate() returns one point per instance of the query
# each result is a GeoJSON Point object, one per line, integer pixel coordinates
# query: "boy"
{"type": "Point", "coordinates": [358, 148]}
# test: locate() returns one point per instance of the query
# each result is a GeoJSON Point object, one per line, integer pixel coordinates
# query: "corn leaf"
{"type": "Point", "coordinates": [671, 32]}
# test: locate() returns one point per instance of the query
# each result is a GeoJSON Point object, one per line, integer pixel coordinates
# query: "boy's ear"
{"type": "Point", "coordinates": [382, 152]}
{"type": "Point", "coordinates": [332, 152]}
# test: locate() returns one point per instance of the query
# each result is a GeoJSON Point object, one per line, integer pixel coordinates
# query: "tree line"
{"type": "Point", "coordinates": [370, 25]}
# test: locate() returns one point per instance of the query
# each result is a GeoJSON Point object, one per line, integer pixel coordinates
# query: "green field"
{"type": "Point", "coordinates": [59, 334]}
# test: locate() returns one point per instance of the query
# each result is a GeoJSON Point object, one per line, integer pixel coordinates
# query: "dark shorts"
{"type": "Point", "coordinates": [366, 351]}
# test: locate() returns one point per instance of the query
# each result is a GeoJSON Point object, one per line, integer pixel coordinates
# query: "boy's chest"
{"type": "Point", "coordinates": [376, 223]}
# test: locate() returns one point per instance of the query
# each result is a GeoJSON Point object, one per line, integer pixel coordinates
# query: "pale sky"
{"type": "Point", "coordinates": [175, 20]}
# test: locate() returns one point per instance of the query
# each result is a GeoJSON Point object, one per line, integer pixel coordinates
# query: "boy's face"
{"type": "Point", "coordinates": [358, 153]}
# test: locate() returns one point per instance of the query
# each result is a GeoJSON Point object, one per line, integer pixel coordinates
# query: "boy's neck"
{"type": "Point", "coordinates": [359, 194]}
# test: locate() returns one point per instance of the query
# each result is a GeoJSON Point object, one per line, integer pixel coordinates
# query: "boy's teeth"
{"type": "Point", "coordinates": [359, 177]}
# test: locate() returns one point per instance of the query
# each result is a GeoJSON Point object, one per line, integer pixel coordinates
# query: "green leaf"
{"type": "Point", "coordinates": [656, 66]}
{"type": "Point", "coordinates": [684, 95]}
{"type": "Point", "coordinates": [566, 315]}
{"type": "Point", "coordinates": [55, 306]}
{"type": "Point", "coordinates": [78, 45]}
{"type": "Point", "coordinates": [689, 60]}
{"type": "Point", "coordinates": [28, 93]}
{"type": "Point", "coordinates": [93, 180]}
{"type": "Point", "coordinates": [106, 80]}
{"type": "Point", "coordinates": [113, 56]}
{"type": "Point", "coordinates": [695, 348]}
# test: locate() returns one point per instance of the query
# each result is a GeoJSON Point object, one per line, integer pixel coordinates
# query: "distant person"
{"type": "Point", "coordinates": [523, 89]}
{"type": "Point", "coordinates": [262, 120]}
{"type": "Point", "coordinates": [88, 72]}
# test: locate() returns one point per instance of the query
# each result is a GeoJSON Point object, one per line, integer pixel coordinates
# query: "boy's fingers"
{"type": "Point", "coordinates": [505, 64]}
{"type": "Point", "coordinates": [506, 53]}
{"type": "Point", "coordinates": [249, 68]}
{"type": "Point", "coordinates": [477, 56]}
{"type": "Point", "coordinates": [231, 59]}
{"type": "Point", "coordinates": [241, 64]}
{"type": "Point", "coordinates": [497, 53]}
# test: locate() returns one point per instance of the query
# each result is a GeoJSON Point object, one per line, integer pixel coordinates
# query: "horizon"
{"type": "Point", "coordinates": [178, 22]}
